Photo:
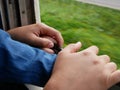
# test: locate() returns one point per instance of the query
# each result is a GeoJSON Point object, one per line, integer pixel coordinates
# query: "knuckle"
{"type": "Point", "coordinates": [72, 45]}
{"type": "Point", "coordinates": [86, 53]}
{"type": "Point", "coordinates": [107, 57]}
{"type": "Point", "coordinates": [95, 61]}
{"type": "Point", "coordinates": [114, 64]}
{"type": "Point", "coordinates": [95, 47]}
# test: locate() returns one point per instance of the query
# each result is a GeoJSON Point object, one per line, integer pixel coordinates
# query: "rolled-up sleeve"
{"type": "Point", "coordinates": [22, 63]}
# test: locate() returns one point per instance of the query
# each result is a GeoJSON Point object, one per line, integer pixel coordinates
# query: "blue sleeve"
{"type": "Point", "coordinates": [22, 63]}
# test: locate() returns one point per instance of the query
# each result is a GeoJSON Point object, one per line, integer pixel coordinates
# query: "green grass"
{"type": "Point", "coordinates": [90, 24]}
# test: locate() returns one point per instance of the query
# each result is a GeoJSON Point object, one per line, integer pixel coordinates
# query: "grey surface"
{"type": "Point", "coordinates": [115, 4]}
{"type": "Point", "coordinates": [115, 88]}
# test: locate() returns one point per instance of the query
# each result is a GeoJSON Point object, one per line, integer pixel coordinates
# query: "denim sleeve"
{"type": "Point", "coordinates": [21, 63]}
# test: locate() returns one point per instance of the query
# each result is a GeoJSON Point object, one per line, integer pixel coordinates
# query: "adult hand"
{"type": "Point", "coordinates": [83, 70]}
{"type": "Point", "coordinates": [36, 34]}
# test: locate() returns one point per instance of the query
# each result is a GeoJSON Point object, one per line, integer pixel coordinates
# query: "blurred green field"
{"type": "Point", "coordinates": [90, 24]}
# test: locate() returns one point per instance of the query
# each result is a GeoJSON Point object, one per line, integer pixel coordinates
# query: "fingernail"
{"type": "Point", "coordinates": [50, 45]}
{"type": "Point", "coordinates": [78, 43]}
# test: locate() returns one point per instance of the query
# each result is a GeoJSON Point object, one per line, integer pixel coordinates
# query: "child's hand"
{"type": "Point", "coordinates": [84, 70]}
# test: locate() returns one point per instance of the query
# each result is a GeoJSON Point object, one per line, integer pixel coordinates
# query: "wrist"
{"type": "Point", "coordinates": [51, 85]}
{"type": "Point", "coordinates": [56, 82]}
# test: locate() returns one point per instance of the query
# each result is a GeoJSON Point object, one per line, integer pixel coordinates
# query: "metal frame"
{"type": "Point", "coordinates": [17, 13]}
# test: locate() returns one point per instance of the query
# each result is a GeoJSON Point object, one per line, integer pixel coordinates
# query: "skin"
{"type": "Point", "coordinates": [84, 70]}
{"type": "Point", "coordinates": [38, 35]}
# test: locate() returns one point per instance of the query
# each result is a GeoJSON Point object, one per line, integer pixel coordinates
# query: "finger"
{"type": "Point", "coordinates": [47, 30]}
{"type": "Point", "coordinates": [114, 78]}
{"type": "Point", "coordinates": [104, 58]}
{"type": "Point", "coordinates": [111, 67]}
{"type": "Point", "coordinates": [48, 50]}
{"type": "Point", "coordinates": [92, 49]}
{"type": "Point", "coordinates": [51, 39]}
{"type": "Point", "coordinates": [41, 42]}
{"type": "Point", "coordinates": [72, 47]}
{"type": "Point", "coordinates": [58, 37]}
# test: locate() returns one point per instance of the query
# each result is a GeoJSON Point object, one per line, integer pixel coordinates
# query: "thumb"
{"type": "Point", "coordinates": [115, 78]}
{"type": "Point", "coordinates": [73, 47]}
